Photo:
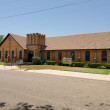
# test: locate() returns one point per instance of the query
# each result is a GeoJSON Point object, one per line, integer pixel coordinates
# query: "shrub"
{"type": "Point", "coordinates": [107, 65]}
{"type": "Point", "coordinates": [72, 65]}
{"type": "Point", "coordinates": [94, 65]}
{"type": "Point", "coordinates": [86, 66]}
{"type": "Point", "coordinates": [60, 63]}
{"type": "Point", "coordinates": [78, 64]}
{"type": "Point", "coordinates": [50, 62]}
{"type": "Point", "coordinates": [101, 67]}
{"type": "Point", "coordinates": [36, 60]}
{"type": "Point", "coordinates": [17, 61]}
{"type": "Point", "coordinates": [43, 62]}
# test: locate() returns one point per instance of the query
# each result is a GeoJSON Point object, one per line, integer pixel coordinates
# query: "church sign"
{"type": "Point", "coordinates": [67, 61]}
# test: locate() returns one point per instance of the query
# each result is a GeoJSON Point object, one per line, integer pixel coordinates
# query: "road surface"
{"type": "Point", "coordinates": [30, 91]}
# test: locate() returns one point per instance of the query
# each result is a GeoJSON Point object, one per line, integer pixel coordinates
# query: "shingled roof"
{"type": "Point", "coordinates": [20, 39]}
{"type": "Point", "coordinates": [73, 42]}
{"type": "Point", "coordinates": [82, 41]}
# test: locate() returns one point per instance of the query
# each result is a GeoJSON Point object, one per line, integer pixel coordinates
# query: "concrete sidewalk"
{"type": "Point", "coordinates": [2, 67]}
{"type": "Point", "coordinates": [73, 74]}
{"type": "Point", "coordinates": [62, 73]}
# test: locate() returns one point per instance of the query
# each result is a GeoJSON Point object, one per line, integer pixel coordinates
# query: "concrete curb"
{"type": "Point", "coordinates": [73, 74]}
{"type": "Point", "coordinates": [62, 73]}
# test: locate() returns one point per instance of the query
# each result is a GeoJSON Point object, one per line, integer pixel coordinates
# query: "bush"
{"type": "Point", "coordinates": [60, 63]}
{"type": "Point", "coordinates": [43, 62]}
{"type": "Point", "coordinates": [94, 65]}
{"type": "Point", "coordinates": [50, 62]}
{"type": "Point", "coordinates": [107, 65]}
{"type": "Point", "coordinates": [101, 67]}
{"type": "Point", "coordinates": [36, 60]}
{"type": "Point", "coordinates": [72, 65]}
{"type": "Point", "coordinates": [78, 64]}
{"type": "Point", "coordinates": [18, 62]}
{"type": "Point", "coordinates": [86, 66]}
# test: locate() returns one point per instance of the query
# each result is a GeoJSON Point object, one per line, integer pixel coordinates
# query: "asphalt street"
{"type": "Point", "coordinates": [32, 91]}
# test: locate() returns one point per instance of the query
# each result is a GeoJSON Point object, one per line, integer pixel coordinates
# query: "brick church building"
{"type": "Point", "coordinates": [93, 47]}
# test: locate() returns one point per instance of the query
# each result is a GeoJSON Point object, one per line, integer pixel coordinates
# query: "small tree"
{"type": "Point", "coordinates": [1, 38]}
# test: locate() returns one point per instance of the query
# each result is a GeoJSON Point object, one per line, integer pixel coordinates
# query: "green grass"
{"type": "Point", "coordinates": [1, 63]}
{"type": "Point", "coordinates": [67, 68]}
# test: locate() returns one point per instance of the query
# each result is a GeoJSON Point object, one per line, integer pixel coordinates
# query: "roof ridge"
{"type": "Point", "coordinates": [82, 41]}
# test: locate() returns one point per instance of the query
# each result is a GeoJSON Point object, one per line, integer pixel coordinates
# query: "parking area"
{"type": "Point", "coordinates": [28, 91]}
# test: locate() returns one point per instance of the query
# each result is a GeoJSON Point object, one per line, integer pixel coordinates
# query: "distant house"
{"type": "Point", "coordinates": [94, 47]}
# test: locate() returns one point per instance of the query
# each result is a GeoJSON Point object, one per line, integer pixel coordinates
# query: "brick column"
{"type": "Point", "coordinates": [16, 55]}
{"type": "Point", "coordinates": [35, 52]}
{"type": "Point", "coordinates": [53, 55]}
{"type": "Point", "coordinates": [79, 57]}
{"type": "Point", "coordinates": [3, 55]}
{"type": "Point", "coordinates": [8, 58]}
{"type": "Point", "coordinates": [95, 56]}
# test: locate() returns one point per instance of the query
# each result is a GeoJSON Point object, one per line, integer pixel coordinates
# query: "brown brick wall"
{"type": "Point", "coordinates": [35, 42]}
{"type": "Point", "coordinates": [10, 45]}
{"type": "Point", "coordinates": [79, 53]}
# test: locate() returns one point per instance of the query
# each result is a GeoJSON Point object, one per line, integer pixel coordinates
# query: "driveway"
{"type": "Point", "coordinates": [28, 91]}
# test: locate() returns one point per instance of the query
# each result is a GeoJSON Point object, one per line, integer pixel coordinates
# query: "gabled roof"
{"type": "Point", "coordinates": [73, 42]}
{"type": "Point", "coordinates": [19, 39]}
{"type": "Point", "coordinates": [82, 41]}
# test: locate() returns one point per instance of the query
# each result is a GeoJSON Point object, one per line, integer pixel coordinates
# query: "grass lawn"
{"type": "Point", "coordinates": [1, 63]}
{"type": "Point", "coordinates": [67, 68]}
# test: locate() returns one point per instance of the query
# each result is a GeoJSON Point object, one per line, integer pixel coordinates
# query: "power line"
{"type": "Point", "coordinates": [61, 6]}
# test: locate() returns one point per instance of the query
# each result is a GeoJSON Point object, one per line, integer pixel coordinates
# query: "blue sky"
{"type": "Point", "coordinates": [89, 16]}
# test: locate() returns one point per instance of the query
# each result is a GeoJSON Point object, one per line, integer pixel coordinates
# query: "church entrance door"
{"type": "Point", "coordinates": [30, 55]}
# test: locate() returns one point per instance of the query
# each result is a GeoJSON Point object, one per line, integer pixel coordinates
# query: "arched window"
{"type": "Point", "coordinates": [6, 54]}
{"type": "Point", "coordinates": [104, 56]}
{"type": "Point", "coordinates": [48, 55]}
{"type": "Point", "coordinates": [87, 56]}
{"type": "Point", "coordinates": [12, 54]}
{"type": "Point", "coordinates": [72, 55]}
{"type": "Point", "coordinates": [20, 54]}
{"type": "Point", "coordinates": [0, 54]}
{"type": "Point", "coordinates": [60, 55]}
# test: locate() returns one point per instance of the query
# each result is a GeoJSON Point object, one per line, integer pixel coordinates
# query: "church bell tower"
{"type": "Point", "coordinates": [35, 43]}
